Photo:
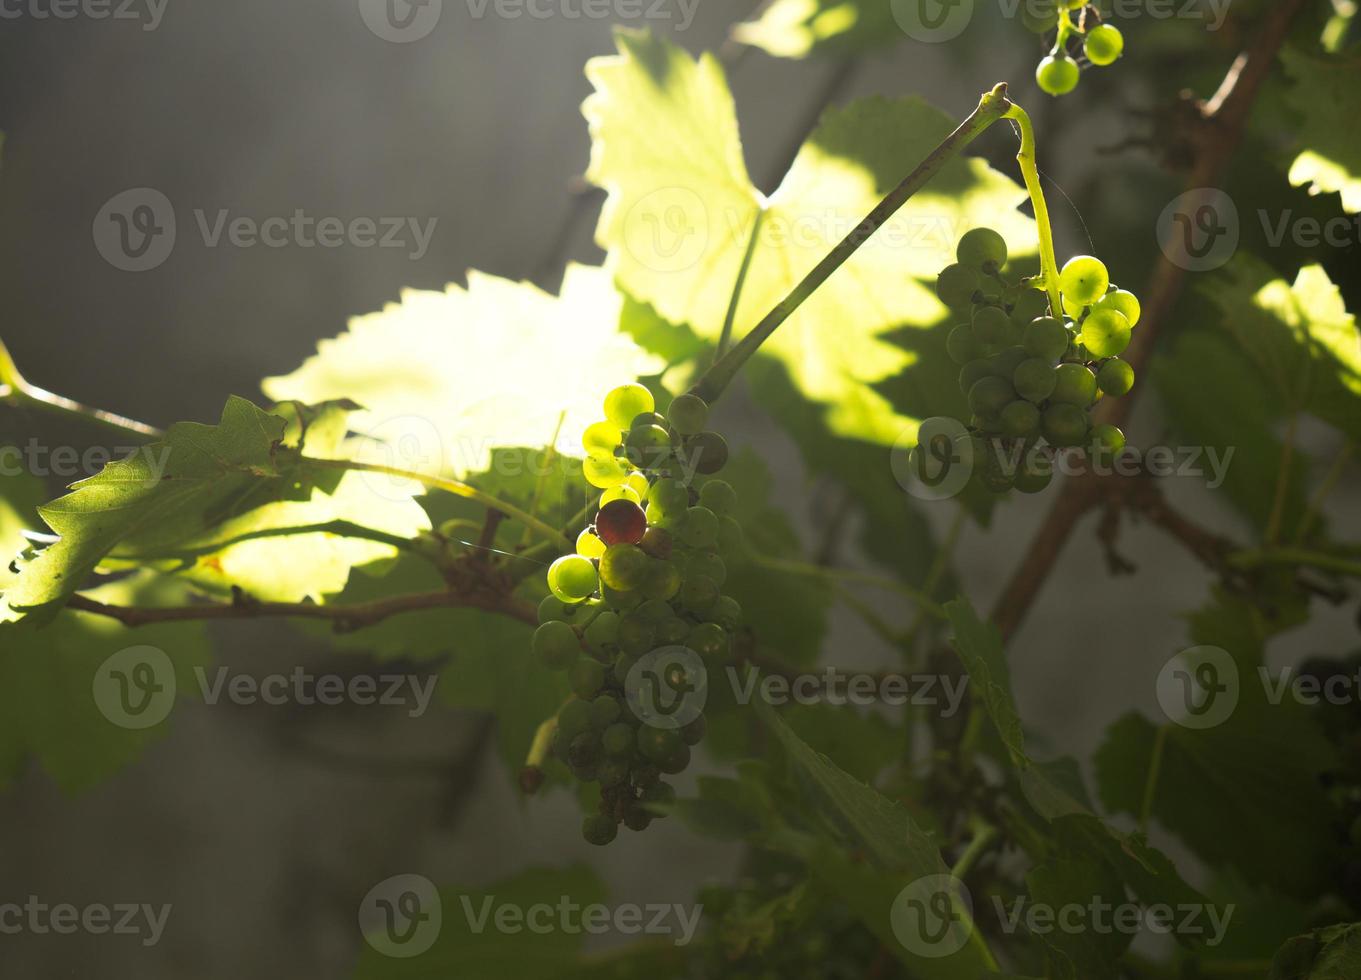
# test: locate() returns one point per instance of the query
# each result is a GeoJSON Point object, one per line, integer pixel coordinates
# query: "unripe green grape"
{"type": "Point", "coordinates": [1030, 304]}
{"type": "Point", "coordinates": [1020, 418]}
{"type": "Point", "coordinates": [645, 777]}
{"type": "Point", "coordinates": [957, 284]}
{"type": "Point", "coordinates": [688, 414]}
{"type": "Point", "coordinates": [1104, 44]}
{"type": "Point", "coordinates": [574, 719]}
{"type": "Point", "coordinates": [698, 593]}
{"type": "Point", "coordinates": [1105, 333]}
{"type": "Point", "coordinates": [672, 630]}
{"type": "Point", "coordinates": [657, 542]}
{"type": "Point", "coordinates": [600, 439]}
{"type": "Point", "coordinates": [599, 829]}
{"type": "Point", "coordinates": [725, 612]}
{"type": "Point", "coordinates": [623, 567]}
{"type": "Point", "coordinates": [1115, 377]}
{"type": "Point", "coordinates": [621, 492]}
{"type": "Point", "coordinates": [1123, 302]}
{"type": "Point", "coordinates": [991, 324]}
{"type": "Point", "coordinates": [647, 446]}
{"type": "Point", "coordinates": [618, 739]}
{"type": "Point", "coordinates": [636, 818]}
{"type": "Point", "coordinates": [982, 248]}
{"type": "Point", "coordinates": [602, 635]}
{"type": "Point", "coordinates": [588, 545]}
{"type": "Point", "coordinates": [605, 711]}
{"type": "Point", "coordinates": [552, 608]}
{"type": "Point", "coordinates": [623, 665]}
{"type": "Point", "coordinates": [1034, 379]}
{"type": "Point", "coordinates": [655, 610]}
{"type": "Point", "coordinates": [1033, 475]}
{"type": "Point", "coordinates": [1083, 280]}
{"type": "Point", "coordinates": [677, 762]}
{"type": "Point", "coordinates": [1057, 74]}
{"type": "Point", "coordinates": [612, 772]}
{"type": "Point", "coordinates": [586, 677]}
{"type": "Point", "coordinates": [1046, 337]}
{"type": "Point", "coordinates": [718, 496]}
{"type": "Point", "coordinates": [556, 644]}
{"type": "Point", "coordinates": [671, 495]}
{"type": "Point", "coordinates": [621, 600]}
{"type": "Point", "coordinates": [662, 581]}
{"type": "Point", "coordinates": [963, 345]}
{"type": "Point", "coordinates": [1075, 385]}
{"type": "Point", "coordinates": [698, 528]}
{"type": "Point", "coordinates": [707, 564]}
{"type": "Point", "coordinates": [603, 472]}
{"type": "Point", "coordinates": [972, 372]}
{"type": "Point", "coordinates": [1107, 438]}
{"type": "Point", "coordinates": [709, 640]}
{"type": "Point", "coordinates": [572, 578]}
{"type": "Point", "coordinates": [626, 403]}
{"type": "Point", "coordinates": [707, 452]}
{"type": "Point", "coordinates": [657, 744]}
{"type": "Point", "coordinates": [990, 395]}
{"type": "Point", "coordinates": [1064, 425]}
{"type": "Point", "coordinates": [1004, 363]}
{"type": "Point", "coordinates": [636, 635]}
{"type": "Point", "coordinates": [731, 539]}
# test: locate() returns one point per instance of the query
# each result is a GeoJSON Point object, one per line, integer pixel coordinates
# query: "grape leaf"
{"type": "Point", "coordinates": [681, 211]}
{"type": "Point", "coordinates": [1333, 953]}
{"type": "Point", "coordinates": [798, 28]}
{"type": "Point", "coordinates": [445, 378]}
{"type": "Point", "coordinates": [1079, 879]}
{"type": "Point", "coordinates": [979, 645]}
{"type": "Point", "coordinates": [1326, 96]}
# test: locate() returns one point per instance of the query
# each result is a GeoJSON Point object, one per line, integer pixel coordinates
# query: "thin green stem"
{"type": "Point", "coordinates": [345, 529]}
{"type": "Point", "coordinates": [455, 487]}
{"type": "Point", "coordinates": [1330, 481]}
{"type": "Point", "coordinates": [984, 834]}
{"type": "Point", "coordinates": [991, 107]}
{"type": "Point", "coordinates": [726, 336]}
{"type": "Point", "coordinates": [1273, 526]}
{"type": "Point", "coordinates": [1155, 765]}
{"type": "Point", "coordinates": [1031, 175]}
{"type": "Point", "coordinates": [850, 575]}
{"type": "Point", "coordinates": [1256, 557]}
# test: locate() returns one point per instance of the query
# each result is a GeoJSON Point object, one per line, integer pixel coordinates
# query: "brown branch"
{"type": "Point", "coordinates": [1222, 121]}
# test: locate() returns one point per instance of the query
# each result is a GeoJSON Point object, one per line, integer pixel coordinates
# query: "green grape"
{"type": "Point", "coordinates": [602, 635]}
{"type": "Point", "coordinates": [1004, 363]}
{"type": "Point", "coordinates": [1057, 74]}
{"type": "Point", "coordinates": [698, 593]}
{"type": "Point", "coordinates": [621, 600]}
{"type": "Point", "coordinates": [645, 777]}
{"type": "Point", "coordinates": [603, 472]}
{"type": "Point", "coordinates": [600, 439]}
{"type": "Point", "coordinates": [621, 492]}
{"type": "Point", "coordinates": [1033, 475]}
{"type": "Point", "coordinates": [658, 744]}
{"type": "Point", "coordinates": [718, 496]}
{"type": "Point", "coordinates": [707, 452]}
{"type": "Point", "coordinates": [636, 818]}
{"type": "Point", "coordinates": [698, 528]}
{"type": "Point", "coordinates": [647, 446]}
{"type": "Point", "coordinates": [623, 567]}
{"type": "Point", "coordinates": [1115, 378]}
{"type": "Point", "coordinates": [657, 542]}
{"type": "Point", "coordinates": [725, 612]}
{"type": "Point", "coordinates": [605, 711]}
{"type": "Point", "coordinates": [1083, 280]}
{"type": "Point", "coordinates": [626, 403]}
{"type": "Point", "coordinates": [655, 610]}
{"type": "Point", "coordinates": [586, 677]}
{"type": "Point", "coordinates": [973, 372]}
{"type": "Point", "coordinates": [990, 395]}
{"type": "Point", "coordinates": [1105, 438]}
{"type": "Point", "coordinates": [574, 719]}
{"type": "Point", "coordinates": [1064, 424]}
{"type": "Point", "coordinates": [1121, 301]}
{"type": "Point", "coordinates": [599, 830]}
{"type": "Point", "coordinates": [588, 545]}
{"type": "Point", "coordinates": [658, 792]}
{"type": "Point", "coordinates": [709, 640]}
{"type": "Point", "coordinates": [612, 772]}
{"type": "Point", "coordinates": [1020, 418]}
{"type": "Point", "coordinates": [1105, 333]}
{"type": "Point", "coordinates": [1045, 337]}
{"type": "Point", "coordinates": [1030, 304]}
{"type": "Point", "coordinates": [1072, 308]}
{"type": "Point", "coordinates": [572, 578]}
{"type": "Point", "coordinates": [731, 539]}
{"type": "Point", "coordinates": [991, 324]}
{"type": "Point", "coordinates": [618, 739]}
{"type": "Point", "coordinates": [1104, 44]}
{"type": "Point", "coordinates": [688, 414]}
{"type": "Point", "coordinates": [957, 284]}
{"type": "Point", "coordinates": [662, 581]}
{"type": "Point", "coordinates": [994, 476]}
{"type": "Point", "coordinates": [1034, 379]}
{"type": "Point", "coordinates": [710, 565]}
{"type": "Point", "coordinates": [552, 608]}
{"type": "Point", "coordinates": [556, 644]}
{"type": "Point", "coordinates": [623, 665]}
{"type": "Point", "coordinates": [636, 634]}
{"type": "Point", "coordinates": [982, 248]}
{"type": "Point", "coordinates": [676, 762]}
{"type": "Point", "coordinates": [672, 630]}
{"type": "Point", "coordinates": [963, 345]}
{"type": "Point", "coordinates": [672, 496]}
{"type": "Point", "coordinates": [1075, 385]}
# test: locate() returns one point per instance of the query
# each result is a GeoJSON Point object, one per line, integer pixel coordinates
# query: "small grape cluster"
{"type": "Point", "coordinates": [646, 576]}
{"type": "Point", "coordinates": [1031, 373]}
{"type": "Point", "coordinates": [1101, 44]}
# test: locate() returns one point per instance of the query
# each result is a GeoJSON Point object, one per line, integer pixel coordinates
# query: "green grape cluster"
{"type": "Point", "coordinates": [1101, 44]}
{"type": "Point", "coordinates": [1031, 374]}
{"type": "Point", "coordinates": [647, 575]}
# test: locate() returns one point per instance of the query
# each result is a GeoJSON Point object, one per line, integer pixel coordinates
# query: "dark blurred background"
{"type": "Point", "coordinates": [263, 827]}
